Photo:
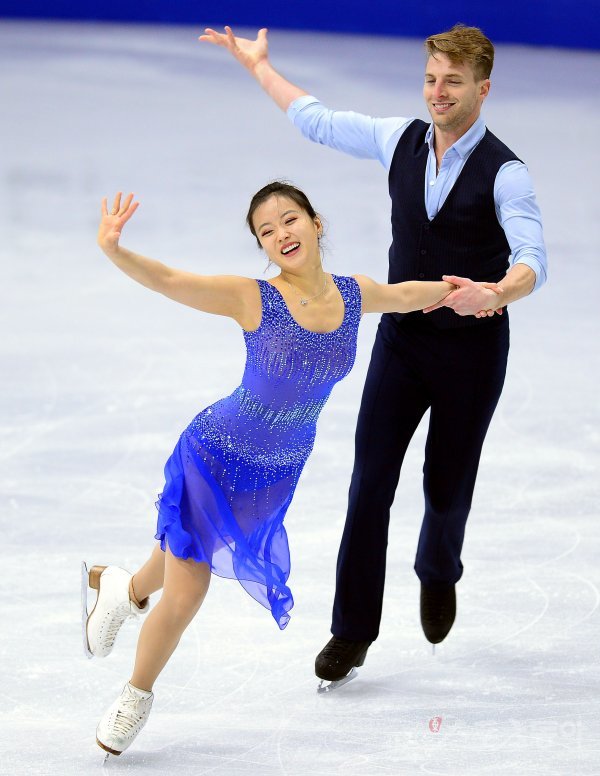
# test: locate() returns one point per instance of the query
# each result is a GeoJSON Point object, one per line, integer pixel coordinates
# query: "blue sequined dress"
{"type": "Point", "coordinates": [232, 475]}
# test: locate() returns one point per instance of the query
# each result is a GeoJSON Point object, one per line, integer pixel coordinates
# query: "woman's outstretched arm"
{"type": "Point", "coordinates": [400, 297]}
{"type": "Point", "coordinates": [235, 297]}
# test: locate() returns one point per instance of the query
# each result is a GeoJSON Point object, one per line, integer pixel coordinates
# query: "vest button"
{"type": "Point", "coordinates": [423, 251]}
{"type": "Point", "coordinates": [421, 274]}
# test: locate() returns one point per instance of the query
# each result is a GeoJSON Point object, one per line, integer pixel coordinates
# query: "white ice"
{"type": "Point", "coordinates": [99, 376]}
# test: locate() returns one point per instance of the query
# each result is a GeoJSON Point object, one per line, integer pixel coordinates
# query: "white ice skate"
{"type": "Point", "coordinates": [112, 607]}
{"type": "Point", "coordinates": [122, 722]}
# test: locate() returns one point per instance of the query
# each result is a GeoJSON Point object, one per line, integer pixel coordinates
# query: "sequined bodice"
{"type": "Point", "coordinates": [270, 419]}
{"type": "Point", "coordinates": [289, 367]}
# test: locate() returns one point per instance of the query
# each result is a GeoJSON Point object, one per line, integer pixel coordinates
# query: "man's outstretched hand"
{"type": "Point", "coordinates": [248, 53]}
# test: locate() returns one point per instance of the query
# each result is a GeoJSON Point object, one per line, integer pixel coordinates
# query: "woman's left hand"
{"type": "Point", "coordinates": [111, 224]}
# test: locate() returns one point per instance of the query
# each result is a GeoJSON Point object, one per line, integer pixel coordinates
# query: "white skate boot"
{"type": "Point", "coordinates": [113, 606]}
{"type": "Point", "coordinates": [122, 722]}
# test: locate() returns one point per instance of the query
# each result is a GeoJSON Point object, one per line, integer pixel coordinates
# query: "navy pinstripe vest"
{"type": "Point", "coordinates": [464, 238]}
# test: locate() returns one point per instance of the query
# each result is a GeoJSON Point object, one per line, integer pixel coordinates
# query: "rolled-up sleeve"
{"type": "Point", "coordinates": [361, 136]}
{"type": "Point", "coordinates": [519, 215]}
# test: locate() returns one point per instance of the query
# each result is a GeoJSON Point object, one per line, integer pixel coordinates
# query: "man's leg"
{"type": "Point", "coordinates": [394, 401]}
{"type": "Point", "coordinates": [463, 404]}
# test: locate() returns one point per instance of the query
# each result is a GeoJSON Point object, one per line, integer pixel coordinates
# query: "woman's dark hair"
{"type": "Point", "coordinates": [275, 189]}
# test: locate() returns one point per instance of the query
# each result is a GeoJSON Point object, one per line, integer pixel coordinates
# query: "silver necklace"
{"type": "Point", "coordinates": [306, 300]}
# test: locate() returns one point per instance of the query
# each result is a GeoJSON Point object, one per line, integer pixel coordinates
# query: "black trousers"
{"type": "Point", "coordinates": [458, 374]}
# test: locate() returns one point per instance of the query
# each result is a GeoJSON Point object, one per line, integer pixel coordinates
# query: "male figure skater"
{"type": "Point", "coordinates": [462, 204]}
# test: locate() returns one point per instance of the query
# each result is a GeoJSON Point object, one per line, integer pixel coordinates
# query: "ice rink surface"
{"type": "Point", "coordinates": [99, 376]}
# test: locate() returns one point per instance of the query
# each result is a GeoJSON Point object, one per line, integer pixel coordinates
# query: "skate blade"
{"type": "Point", "coordinates": [84, 609]}
{"type": "Point", "coordinates": [109, 754]}
{"type": "Point", "coordinates": [331, 686]}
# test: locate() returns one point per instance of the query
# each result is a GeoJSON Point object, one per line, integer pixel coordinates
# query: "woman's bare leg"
{"type": "Point", "coordinates": [185, 585]}
{"type": "Point", "coordinates": [150, 577]}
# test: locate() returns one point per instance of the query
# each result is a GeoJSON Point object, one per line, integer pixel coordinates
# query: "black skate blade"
{"type": "Point", "coordinates": [84, 610]}
{"type": "Point", "coordinates": [335, 685]}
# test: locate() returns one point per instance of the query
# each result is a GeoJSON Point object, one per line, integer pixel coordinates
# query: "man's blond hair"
{"type": "Point", "coordinates": [464, 45]}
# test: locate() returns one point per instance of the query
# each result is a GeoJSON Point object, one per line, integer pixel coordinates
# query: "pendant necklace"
{"type": "Point", "coordinates": [305, 300]}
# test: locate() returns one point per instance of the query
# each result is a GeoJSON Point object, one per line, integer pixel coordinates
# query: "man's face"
{"type": "Point", "coordinates": [453, 94]}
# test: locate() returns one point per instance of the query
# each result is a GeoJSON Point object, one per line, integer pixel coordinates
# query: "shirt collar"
{"type": "Point", "coordinates": [465, 144]}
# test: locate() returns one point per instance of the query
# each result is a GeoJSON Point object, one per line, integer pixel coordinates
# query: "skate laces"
{"type": "Point", "coordinates": [437, 604]}
{"type": "Point", "coordinates": [128, 714]}
{"type": "Point", "coordinates": [113, 622]}
{"type": "Point", "coordinates": [339, 648]}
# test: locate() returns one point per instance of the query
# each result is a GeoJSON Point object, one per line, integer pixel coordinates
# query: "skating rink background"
{"type": "Point", "coordinates": [99, 377]}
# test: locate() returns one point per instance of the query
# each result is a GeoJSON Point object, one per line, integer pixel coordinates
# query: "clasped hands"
{"type": "Point", "coordinates": [471, 298]}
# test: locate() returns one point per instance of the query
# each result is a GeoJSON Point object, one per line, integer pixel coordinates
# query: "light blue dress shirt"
{"type": "Point", "coordinates": [375, 138]}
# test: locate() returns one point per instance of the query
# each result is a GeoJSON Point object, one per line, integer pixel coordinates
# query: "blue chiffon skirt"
{"type": "Point", "coordinates": [233, 523]}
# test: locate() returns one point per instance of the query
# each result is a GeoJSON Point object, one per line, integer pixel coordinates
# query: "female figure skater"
{"type": "Point", "coordinates": [233, 472]}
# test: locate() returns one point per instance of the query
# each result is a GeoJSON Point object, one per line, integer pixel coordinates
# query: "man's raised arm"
{"type": "Point", "coordinates": [254, 56]}
{"type": "Point", "coordinates": [353, 133]}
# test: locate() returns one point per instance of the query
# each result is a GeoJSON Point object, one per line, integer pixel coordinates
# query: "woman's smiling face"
{"type": "Point", "coordinates": [288, 235]}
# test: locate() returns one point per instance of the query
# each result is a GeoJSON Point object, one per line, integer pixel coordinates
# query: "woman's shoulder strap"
{"type": "Point", "coordinates": [350, 291]}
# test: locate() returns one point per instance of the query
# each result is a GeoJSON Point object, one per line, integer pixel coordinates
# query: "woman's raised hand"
{"type": "Point", "coordinates": [248, 53]}
{"type": "Point", "coordinates": [111, 224]}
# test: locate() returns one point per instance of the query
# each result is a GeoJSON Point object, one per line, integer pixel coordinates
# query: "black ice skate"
{"type": "Point", "coordinates": [337, 661]}
{"type": "Point", "coordinates": [438, 611]}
